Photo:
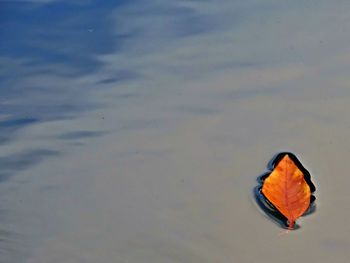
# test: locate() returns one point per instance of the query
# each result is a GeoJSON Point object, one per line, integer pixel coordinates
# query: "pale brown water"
{"type": "Point", "coordinates": [158, 163]}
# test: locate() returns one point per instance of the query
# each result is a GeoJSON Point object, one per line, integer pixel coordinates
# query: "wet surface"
{"type": "Point", "coordinates": [133, 131]}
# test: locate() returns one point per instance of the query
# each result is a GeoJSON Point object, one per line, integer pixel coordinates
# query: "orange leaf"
{"type": "Point", "coordinates": [286, 188]}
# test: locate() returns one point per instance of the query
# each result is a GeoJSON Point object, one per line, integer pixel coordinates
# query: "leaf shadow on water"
{"type": "Point", "coordinates": [267, 207]}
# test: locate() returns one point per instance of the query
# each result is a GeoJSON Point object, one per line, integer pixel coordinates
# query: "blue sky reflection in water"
{"type": "Point", "coordinates": [46, 51]}
{"type": "Point", "coordinates": [127, 128]}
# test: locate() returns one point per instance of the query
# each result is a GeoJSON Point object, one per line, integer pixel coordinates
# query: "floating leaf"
{"type": "Point", "coordinates": [287, 189]}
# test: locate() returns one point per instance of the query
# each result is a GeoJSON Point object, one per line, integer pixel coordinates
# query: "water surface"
{"type": "Point", "coordinates": [134, 131]}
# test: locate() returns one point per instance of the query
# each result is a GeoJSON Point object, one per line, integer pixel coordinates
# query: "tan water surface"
{"type": "Point", "coordinates": [167, 112]}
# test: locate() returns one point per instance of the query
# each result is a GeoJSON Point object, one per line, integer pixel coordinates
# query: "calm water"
{"type": "Point", "coordinates": [134, 131]}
